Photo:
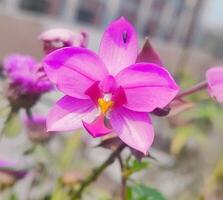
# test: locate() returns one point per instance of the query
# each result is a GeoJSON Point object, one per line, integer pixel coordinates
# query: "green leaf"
{"type": "Point", "coordinates": [139, 165]}
{"type": "Point", "coordinates": [142, 192]}
{"type": "Point", "coordinates": [12, 126]}
{"type": "Point", "coordinates": [135, 166]}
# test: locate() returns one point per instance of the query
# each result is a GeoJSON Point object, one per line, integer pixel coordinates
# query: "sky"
{"type": "Point", "coordinates": [213, 14]}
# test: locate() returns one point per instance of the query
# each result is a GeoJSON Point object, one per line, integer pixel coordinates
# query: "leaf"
{"type": "Point", "coordinates": [135, 166]}
{"type": "Point", "coordinates": [142, 192]}
{"type": "Point", "coordinates": [138, 166]}
{"type": "Point", "coordinates": [12, 125]}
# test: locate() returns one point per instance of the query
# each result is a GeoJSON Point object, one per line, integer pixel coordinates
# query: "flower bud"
{"type": "Point", "coordinates": [10, 173]}
{"type": "Point", "coordinates": [54, 39]}
{"type": "Point", "coordinates": [214, 78]}
{"type": "Point", "coordinates": [71, 177]}
{"type": "Point", "coordinates": [26, 80]}
{"type": "Point", "coordinates": [36, 129]}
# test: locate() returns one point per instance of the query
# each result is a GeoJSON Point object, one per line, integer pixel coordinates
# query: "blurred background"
{"type": "Point", "coordinates": [172, 25]}
{"type": "Point", "coordinates": [188, 34]}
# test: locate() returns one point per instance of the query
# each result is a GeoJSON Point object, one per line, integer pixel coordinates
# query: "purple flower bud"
{"type": "Point", "coordinates": [58, 38]}
{"type": "Point", "coordinates": [214, 78]}
{"type": "Point", "coordinates": [26, 80]}
{"type": "Point", "coordinates": [10, 172]}
{"type": "Point", "coordinates": [36, 129]}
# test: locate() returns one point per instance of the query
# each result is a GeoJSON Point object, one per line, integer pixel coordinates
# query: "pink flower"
{"type": "Point", "coordinates": [108, 92]}
{"type": "Point", "coordinates": [58, 38]}
{"type": "Point", "coordinates": [214, 78]}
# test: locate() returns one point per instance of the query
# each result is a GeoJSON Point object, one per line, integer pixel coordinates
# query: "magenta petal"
{"type": "Point", "coordinates": [134, 128]}
{"type": "Point", "coordinates": [119, 97]}
{"type": "Point", "coordinates": [73, 84]}
{"type": "Point", "coordinates": [68, 113]}
{"type": "Point", "coordinates": [97, 128]}
{"type": "Point", "coordinates": [147, 86]}
{"type": "Point", "coordinates": [214, 78]}
{"type": "Point", "coordinates": [6, 164]}
{"type": "Point", "coordinates": [148, 54]}
{"type": "Point", "coordinates": [94, 92]}
{"type": "Point", "coordinates": [83, 66]}
{"type": "Point", "coordinates": [119, 46]}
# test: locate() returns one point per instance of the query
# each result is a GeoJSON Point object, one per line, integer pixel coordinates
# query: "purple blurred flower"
{"type": "Point", "coordinates": [109, 91]}
{"type": "Point", "coordinates": [214, 78]}
{"type": "Point", "coordinates": [54, 39]}
{"type": "Point", "coordinates": [36, 129]}
{"type": "Point", "coordinates": [10, 173]}
{"type": "Point", "coordinates": [26, 78]}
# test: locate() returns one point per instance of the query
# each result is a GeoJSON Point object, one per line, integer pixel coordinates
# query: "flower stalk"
{"type": "Point", "coordinates": [194, 89]}
{"type": "Point", "coordinates": [123, 179]}
{"type": "Point", "coordinates": [96, 172]}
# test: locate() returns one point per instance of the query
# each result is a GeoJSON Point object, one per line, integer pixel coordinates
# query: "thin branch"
{"type": "Point", "coordinates": [96, 172]}
{"type": "Point", "coordinates": [192, 90]}
{"type": "Point", "coordinates": [29, 113]}
{"type": "Point", "coordinates": [124, 179]}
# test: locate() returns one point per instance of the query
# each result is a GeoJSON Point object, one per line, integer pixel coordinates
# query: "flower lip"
{"type": "Point", "coordinates": [97, 128]}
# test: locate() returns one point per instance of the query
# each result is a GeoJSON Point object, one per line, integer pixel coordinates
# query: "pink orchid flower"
{"type": "Point", "coordinates": [109, 92]}
{"type": "Point", "coordinates": [214, 78]}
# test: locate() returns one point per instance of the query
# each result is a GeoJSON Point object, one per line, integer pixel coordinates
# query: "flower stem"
{"type": "Point", "coordinates": [9, 116]}
{"type": "Point", "coordinates": [196, 88]}
{"type": "Point", "coordinates": [29, 114]}
{"type": "Point", "coordinates": [124, 179]}
{"type": "Point", "coordinates": [96, 172]}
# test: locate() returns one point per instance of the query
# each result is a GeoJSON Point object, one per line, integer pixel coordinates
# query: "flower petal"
{"type": "Point", "coordinates": [97, 128]}
{"type": "Point", "coordinates": [68, 113]}
{"type": "Point", "coordinates": [147, 86]}
{"type": "Point", "coordinates": [215, 82]}
{"type": "Point", "coordinates": [83, 63]}
{"type": "Point", "coordinates": [134, 128]}
{"type": "Point", "coordinates": [148, 54]}
{"type": "Point", "coordinates": [119, 47]}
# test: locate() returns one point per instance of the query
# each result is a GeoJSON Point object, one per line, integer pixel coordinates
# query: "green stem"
{"type": "Point", "coordinates": [10, 114]}
{"type": "Point", "coordinates": [29, 113]}
{"type": "Point", "coordinates": [96, 172]}
{"type": "Point", "coordinates": [124, 180]}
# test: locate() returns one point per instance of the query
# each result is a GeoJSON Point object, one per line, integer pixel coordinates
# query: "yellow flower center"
{"type": "Point", "coordinates": [104, 105]}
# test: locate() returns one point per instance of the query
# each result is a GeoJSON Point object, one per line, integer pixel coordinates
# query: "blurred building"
{"type": "Point", "coordinates": [174, 25]}
{"type": "Point", "coordinates": [170, 20]}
